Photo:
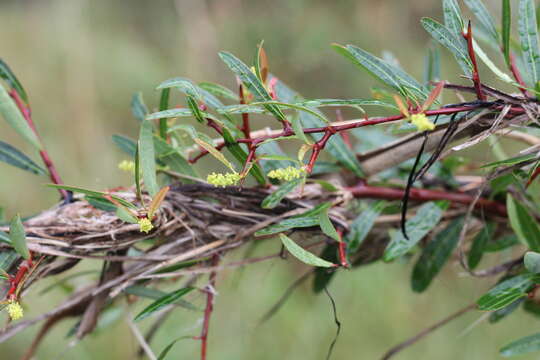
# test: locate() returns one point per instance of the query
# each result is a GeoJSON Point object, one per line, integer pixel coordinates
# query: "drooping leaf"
{"type": "Point", "coordinates": [362, 225]}
{"type": "Point", "coordinates": [251, 82]}
{"type": "Point", "coordinates": [171, 157]}
{"type": "Point", "coordinates": [327, 227]}
{"type": "Point", "coordinates": [500, 314]}
{"type": "Point", "coordinates": [510, 161]}
{"type": "Point", "coordinates": [156, 201]}
{"type": "Point", "coordinates": [303, 255]}
{"type": "Point", "coordinates": [155, 294]}
{"type": "Point", "coordinates": [435, 255]}
{"type": "Point", "coordinates": [452, 18]}
{"type": "Point", "coordinates": [9, 77]}
{"type": "Point", "coordinates": [507, 292]}
{"type": "Point", "coordinates": [182, 84]}
{"type": "Point", "coordinates": [171, 113]}
{"type": "Point", "coordinates": [15, 157]}
{"type": "Point", "coordinates": [194, 107]}
{"type": "Point", "coordinates": [138, 107]}
{"type": "Point", "coordinates": [506, 29]}
{"type": "Point", "coordinates": [126, 216]}
{"type": "Point", "coordinates": [272, 200]}
{"type": "Point", "coordinates": [218, 90]}
{"type": "Point", "coordinates": [355, 103]}
{"type": "Point", "coordinates": [484, 17]}
{"type": "Point", "coordinates": [287, 224]}
{"type": "Point", "coordinates": [89, 192]}
{"type": "Point", "coordinates": [14, 118]}
{"type": "Point", "coordinates": [522, 346]}
{"type": "Point", "coordinates": [147, 158]}
{"type": "Point", "coordinates": [479, 244]}
{"type": "Point", "coordinates": [215, 153]}
{"type": "Point", "coordinates": [502, 243]}
{"type": "Point", "coordinates": [323, 276]}
{"type": "Point", "coordinates": [163, 354]}
{"type": "Point", "coordinates": [381, 70]}
{"type": "Point", "coordinates": [447, 39]}
{"type": "Point", "coordinates": [100, 203]}
{"type": "Point", "coordinates": [426, 218]}
{"type": "Point", "coordinates": [524, 225]}
{"type": "Point", "coordinates": [528, 35]}
{"type": "Point", "coordinates": [162, 302]}
{"type": "Point", "coordinates": [432, 65]}
{"type": "Point", "coordinates": [125, 144]}
{"type": "Point", "coordinates": [532, 262]}
{"type": "Point", "coordinates": [17, 235]}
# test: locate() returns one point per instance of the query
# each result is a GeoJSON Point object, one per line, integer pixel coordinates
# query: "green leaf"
{"type": "Point", "coordinates": [381, 70]}
{"type": "Point", "coordinates": [532, 262]}
{"type": "Point", "coordinates": [93, 193]}
{"type": "Point", "coordinates": [484, 17]}
{"type": "Point", "coordinates": [154, 294]}
{"type": "Point", "coordinates": [17, 235]}
{"type": "Point", "coordinates": [435, 255]}
{"type": "Point", "coordinates": [304, 256]}
{"type": "Point", "coordinates": [327, 227]}
{"type": "Point", "coordinates": [126, 216]}
{"type": "Point", "coordinates": [479, 244]}
{"type": "Point", "coordinates": [507, 292]}
{"type": "Point", "coordinates": [345, 102]}
{"type": "Point", "coordinates": [500, 314]}
{"type": "Point", "coordinates": [138, 107]}
{"type": "Point", "coordinates": [432, 65]}
{"type": "Point", "coordinates": [506, 29]}
{"type": "Point", "coordinates": [323, 276]}
{"type": "Point", "coordinates": [510, 161]}
{"type": "Point", "coordinates": [215, 153]}
{"type": "Point", "coordinates": [251, 82]}
{"type": "Point", "coordinates": [5, 238]}
{"type": "Point", "coordinates": [218, 90]}
{"type": "Point", "coordinates": [125, 144]}
{"type": "Point", "coordinates": [7, 259]}
{"type": "Point", "coordinates": [522, 346]}
{"type": "Point", "coordinates": [14, 118]}
{"type": "Point", "coordinates": [171, 157]}
{"type": "Point", "coordinates": [100, 203]}
{"type": "Point", "coordinates": [162, 302]}
{"type": "Point", "coordinates": [442, 35]}
{"type": "Point", "coordinates": [452, 18]}
{"type": "Point", "coordinates": [524, 225]}
{"type": "Point", "coordinates": [502, 243]}
{"type": "Point", "coordinates": [12, 156]}
{"type": "Point", "coordinates": [148, 158]}
{"type": "Point", "coordinates": [528, 35]}
{"type": "Point", "coordinates": [273, 200]}
{"type": "Point", "coordinates": [194, 107]}
{"type": "Point", "coordinates": [168, 348]}
{"type": "Point", "coordinates": [288, 224]}
{"type": "Point", "coordinates": [10, 78]}
{"type": "Point", "coordinates": [181, 84]}
{"type": "Point", "coordinates": [426, 218]}
{"type": "Point", "coordinates": [362, 225]}
{"type": "Point", "coordinates": [171, 113]}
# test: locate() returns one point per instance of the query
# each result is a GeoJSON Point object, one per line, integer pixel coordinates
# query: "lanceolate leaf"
{"type": "Point", "coordinates": [532, 262]}
{"type": "Point", "coordinates": [14, 118]}
{"type": "Point", "coordinates": [327, 227]}
{"type": "Point", "coordinates": [303, 255]}
{"type": "Point", "coordinates": [426, 218]}
{"type": "Point", "coordinates": [138, 107]}
{"type": "Point", "coordinates": [452, 18]}
{"type": "Point", "coordinates": [93, 193]}
{"type": "Point", "coordinates": [288, 224]}
{"type": "Point", "coordinates": [14, 157]}
{"type": "Point", "coordinates": [272, 200]}
{"type": "Point", "coordinates": [435, 255]}
{"type": "Point", "coordinates": [17, 235]}
{"type": "Point", "coordinates": [362, 225]}
{"type": "Point", "coordinates": [528, 35]}
{"type": "Point", "coordinates": [500, 314]}
{"type": "Point", "coordinates": [171, 157]}
{"type": "Point", "coordinates": [171, 113]}
{"type": "Point", "coordinates": [252, 83]}
{"type": "Point", "coordinates": [156, 201]}
{"type": "Point", "coordinates": [441, 34]}
{"type": "Point", "coordinates": [215, 153]}
{"type": "Point", "coordinates": [432, 65]}
{"type": "Point", "coordinates": [484, 17]}
{"type": "Point", "coordinates": [184, 85]}
{"type": "Point", "coordinates": [522, 346]}
{"type": "Point", "coordinates": [10, 78]}
{"type": "Point", "coordinates": [148, 158]}
{"type": "Point", "coordinates": [479, 244]}
{"type": "Point", "coordinates": [381, 70]}
{"type": "Point", "coordinates": [506, 29]}
{"type": "Point", "coordinates": [524, 225]}
{"type": "Point", "coordinates": [507, 292]}
{"type": "Point", "coordinates": [125, 144]}
{"type": "Point", "coordinates": [162, 302]}
{"type": "Point", "coordinates": [165, 351]}
{"type": "Point", "coordinates": [218, 90]}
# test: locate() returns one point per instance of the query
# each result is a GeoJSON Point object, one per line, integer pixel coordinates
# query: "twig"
{"type": "Point", "coordinates": [140, 338]}
{"type": "Point", "coordinates": [210, 293]}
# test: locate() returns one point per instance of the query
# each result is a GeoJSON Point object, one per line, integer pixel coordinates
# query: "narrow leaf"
{"type": "Point", "coordinates": [215, 153]}
{"type": "Point", "coordinates": [218, 90]}
{"type": "Point", "coordinates": [506, 29]}
{"type": "Point", "coordinates": [452, 18]}
{"type": "Point", "coordinates": [147, 158]}
{"type": "Point", "coordinates": [156, 201]}
{"type": "Point", "coordinates": [484, 17]}
{"type": "Point", "coordinates": [303, 255]}
{"type": "Point", "coordinates": [17, 235]}
{"type": "Point", "coordinates": [479, 244]}
{"type": "Point", "coordinates": [327, 227]}
{"type": "Point", "coordinates": [273, 200]}
{"type": "Point", "coordinates": [163, 354]}
{"type": "Point", "coordinates": [528, 36]}
{"type": "Point", "coordinates": [125, 144]}
{"type": "Point", "coordinates": [182, 84]}
{"type": "Point", "coordinates": [162, 302]}
{"type": "Point", "coordinates": [12, 156]}
{"type": "Point", "coordinates": [507, 292]}
{"type": "Point", "coordinates": [288, 224]}
{"type": "Point", "coordinates": [89, 192]}
{"type": "Point", "coordinates": [532, 262]}
{"type": "Point", "coordinates": [138, 107]}
{"type": "Point", "coordinates": [362, 225]}
{"type": "Point", "coordinates": [524, 225]}
{"type": "Point", "coordinates": [10, 78]}
{"type": "Point", "coordinates": [522, 346]}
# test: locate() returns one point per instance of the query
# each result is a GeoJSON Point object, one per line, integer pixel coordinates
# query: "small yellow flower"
{"type": "Point", "coordinates": [15, 310]}
{"type": "Point", "coordinates": [289, 173]}
{"type": "Point", "coordinates": [126, 165]}
{"type": "Point", "coordinates": [145, 225]}
{"type": "Point", "coordinates": [422, 122]}
{"type": "Point", "coordinates": [223, 179]}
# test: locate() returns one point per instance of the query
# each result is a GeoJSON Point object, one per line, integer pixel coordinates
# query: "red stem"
{"type": "Point", "coordinates": [517, 74]}
{"type": "Point", "coordinates": [475, 75]}
{"type": "Point", "coordinates": [245, 116]}
{"type": "Point", "coordinates": [317, 147]}
{"type": "Point", "coordinates": [375, 192]}
{"type": "Point", "coordinates": [204, 152]}
{"type": "Point", "coordinates": [16, 280]}
{"type": "Point", "coordinates": [208, 310]}
{"type": "Point", "coordinates": [26, 113]}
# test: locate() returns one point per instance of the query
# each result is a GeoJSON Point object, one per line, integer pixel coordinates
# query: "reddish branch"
{"type": "Point", "coordinates": [375, 192]}
{"type": "Point", "coordinates": [208, 310]}
{"type": "Point", "coordinates": [517, 74]}
{"type": "Point", "coordinates": [15, 281]}
{"type": "Point", "coordinates": [27, 114]}
{"type": "Point", "coordinates": [475, 75]}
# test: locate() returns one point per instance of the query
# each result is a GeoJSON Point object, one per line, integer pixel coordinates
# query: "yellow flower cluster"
{"type": "Point", "coordinates": [289, 173]}
{"type": "Point", "coordinates": [126, 165]}
{"type": "Point", "coordinates": [15, 310]}
{"type": "Point", "coordinates": [145, 225]}
{"type": "Point", "coordinates": [227, 179]}
{"type": "Point", "coordinates": [422, 122]}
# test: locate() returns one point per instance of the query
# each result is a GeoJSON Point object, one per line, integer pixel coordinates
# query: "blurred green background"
{"type": "Point", "coordinates": [81, 61]}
